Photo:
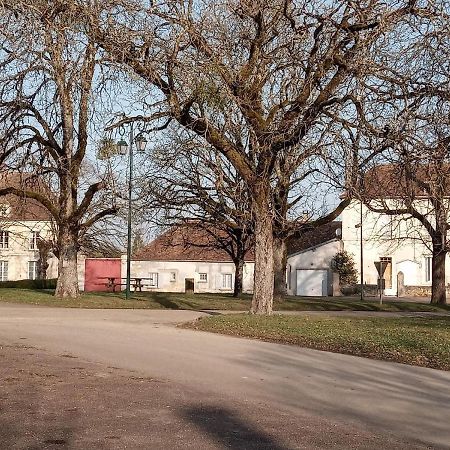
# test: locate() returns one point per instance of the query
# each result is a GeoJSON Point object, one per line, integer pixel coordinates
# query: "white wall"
{"type": "Point", "coordinates": [81, 268]}
{"type": "Point", "coordinates": [18, 253]}
{"type": "Point", "coordinates": [188, 269]}
{"type": "Point", "coordinates": [315, 258]}
{"type": "Point", "coordinates": [384, 236]}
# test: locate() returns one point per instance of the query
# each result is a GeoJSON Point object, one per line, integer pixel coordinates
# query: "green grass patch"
{"type": "Point", "coordinates": [421, 341]}
{"type": "Point", "coordinates": [104, 300]}
{"type": "Point", "coordinates": [161, 300]}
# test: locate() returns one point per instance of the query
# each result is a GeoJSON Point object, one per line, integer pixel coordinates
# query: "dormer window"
{"type": "Point", "coordinates": [5, 210]}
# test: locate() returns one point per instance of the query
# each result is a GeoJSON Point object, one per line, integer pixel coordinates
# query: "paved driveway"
{"type": "Point", "coordinates": [409, 402]}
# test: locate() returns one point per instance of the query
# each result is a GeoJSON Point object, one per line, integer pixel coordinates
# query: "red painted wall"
{"type": "Point", "coordinates": [97, 272]}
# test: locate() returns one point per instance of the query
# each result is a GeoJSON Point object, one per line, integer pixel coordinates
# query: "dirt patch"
{"type": "Point", "coordinates": [48, 402]}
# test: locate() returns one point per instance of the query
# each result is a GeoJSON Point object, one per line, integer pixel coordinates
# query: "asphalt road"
{"type": "Point", "coordinates": [401, 405]}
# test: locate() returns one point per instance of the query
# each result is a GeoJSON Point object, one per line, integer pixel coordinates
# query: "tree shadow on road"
{"type": "Point", "coordinates": [230, 430]}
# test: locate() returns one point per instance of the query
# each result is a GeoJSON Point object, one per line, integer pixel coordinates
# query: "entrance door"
{"type": "Point", "coordinates": [189, 285]}
{"type": "Point", "coordinates": [312, 282]}
{"type": "Point", "coordinates": [400, 284]}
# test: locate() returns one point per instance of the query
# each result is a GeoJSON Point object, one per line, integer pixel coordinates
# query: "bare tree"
{"type": "Point", "coordinates": [49, 74]}
{"type": "Point", "coordinates": [301, 203]}
{"type": "Point", "coordinates": [409, 177]}
{"type": "Point", "coordinates": [255, 80]}
{"type": "Point", "coordinates": [189, 183]}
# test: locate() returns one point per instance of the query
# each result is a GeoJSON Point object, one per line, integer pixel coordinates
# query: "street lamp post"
{"type": "Point", "coordinates": [122, 145]}
{"type": "Point", "coordinates": [361, 249]}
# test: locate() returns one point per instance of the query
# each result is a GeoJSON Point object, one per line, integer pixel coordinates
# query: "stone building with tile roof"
{"type": "Point", "coordinates": [187, 259]}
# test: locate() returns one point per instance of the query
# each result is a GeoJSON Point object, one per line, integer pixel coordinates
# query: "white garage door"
{"type": "Point", "coordinates": [312, 282]}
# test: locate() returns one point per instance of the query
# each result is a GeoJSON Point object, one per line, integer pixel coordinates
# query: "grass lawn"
{"type": "Point", "coordinates": [161, 300]}
{"type": "Point", "coordinates": [421, 341]}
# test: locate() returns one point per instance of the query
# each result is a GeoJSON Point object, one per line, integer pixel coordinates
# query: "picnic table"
{"type": "Point", "coordinates": [135, 282]}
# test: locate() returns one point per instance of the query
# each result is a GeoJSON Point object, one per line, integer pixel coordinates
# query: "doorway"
{"type": "Point", "coordinates": [400, 284]}
{"type": "Point", "coordinates": [189, 285]}
{"type": "Point", "coordinates": [387, 265]}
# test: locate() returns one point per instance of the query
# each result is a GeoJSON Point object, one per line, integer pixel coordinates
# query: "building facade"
{"type": "Point", "coordinates": [187, 259]}
{"type": "Point", "coordinates": [308, 271]}
{"type": "Point", "coordinates": [24, 224]}
{"type": "Point", "coordinates": [400, 243]}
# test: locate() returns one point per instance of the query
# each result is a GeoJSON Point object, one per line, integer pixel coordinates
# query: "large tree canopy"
{"type": "Point", "coordinates": [277, 88]}
{"type": "Point", "coordinates": [409, 124]}
{"type": "Point", "coordinates": [267, 83]}
{"type": "Point", "coordinates": [48, 84]}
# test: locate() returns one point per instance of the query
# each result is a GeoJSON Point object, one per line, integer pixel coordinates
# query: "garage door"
{"type": "Point", "coordinates": [312, 282]}
{"type": "Point", "coordinates": [98, 271]}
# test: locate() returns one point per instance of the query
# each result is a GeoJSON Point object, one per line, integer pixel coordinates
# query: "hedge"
{"type": "Point", "coordinates": [29, 284]}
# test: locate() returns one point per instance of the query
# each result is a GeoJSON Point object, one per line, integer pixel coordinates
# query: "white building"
{"type": "Point", "coordinates": [399, 241]}
{"type": "Point", "coordinates": [401, 244]}
{"type": "Point", "coordinates": [172, 263]}
{"type": "Point", "coordinates": [23, 223]}
{"type": "Point", "coordinates": [309, 262]}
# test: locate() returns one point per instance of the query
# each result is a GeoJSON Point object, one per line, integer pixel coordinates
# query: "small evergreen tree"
{"type": "Point", "coordinates": [138, 243]}
{"type": "Point", "coordinates": [344, 265]}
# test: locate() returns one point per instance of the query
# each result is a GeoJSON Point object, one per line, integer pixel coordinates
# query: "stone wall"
{"type": "Point", "coordinates": [370, 290]}
{"type": "Point", "coordinates": [420, 291]}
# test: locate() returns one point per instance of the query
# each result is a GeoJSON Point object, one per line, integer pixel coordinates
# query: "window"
{"type": "Point", "coordinates": [4, 239]}
{"type": "Point", "coordinates": [203, 277]}
{"type": "Point", "coordinates": [33, 270]}
{"type": "Point", "coordinates": [34, 238]}
{"type": "Point", "coordinates": [3, 270]}
{"type": "Point", "coordinates": [428, 268]}
{"type": "Point", "coordinates": [387, 265]}
{"type": "Point", "coordinates": [227, 281]}
{"type": "Point", "coordinates": [4, 210]}
{"type": "Point", "coordinates": [153, 280]}
{"type": "Point", "coordinates": [173, 276]}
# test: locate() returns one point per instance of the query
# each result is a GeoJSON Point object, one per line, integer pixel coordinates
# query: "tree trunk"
{"type": "Point", "coordinates": [262, 302]}
{"type": "Point", "coordinates": [44, 248]}
{"type": "Point", "coordinates": [67, 285]}
{"type": "Point", "coordinates": [43, 265]}
{"type": "Point", "coordinates": [238, 277]}
{"type": "Point", "coordinates": [438, 292]}
{"type": "Point", "coordinates": [280, 263]}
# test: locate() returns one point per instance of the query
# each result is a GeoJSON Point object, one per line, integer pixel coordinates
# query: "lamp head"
{"type": "Point", "coordinates": [141, 143]}
{"type": "Point", "coordinates": [122, 147]}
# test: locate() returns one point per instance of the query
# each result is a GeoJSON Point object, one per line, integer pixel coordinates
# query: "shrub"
{"type": "Point", "coordinates": [29, 284]}
{"type": "Point", "coordinates": [344, 265]}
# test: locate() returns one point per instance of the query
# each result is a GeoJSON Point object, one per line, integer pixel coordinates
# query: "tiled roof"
{"type": "Point", "coordinates": [185, 243]}
{"type": "Point", "coordinates": [390, 181]}
{"type": "Point", "coordinates": [314, 237]}
{"type": "Point", "coordinates": [19, 208]}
